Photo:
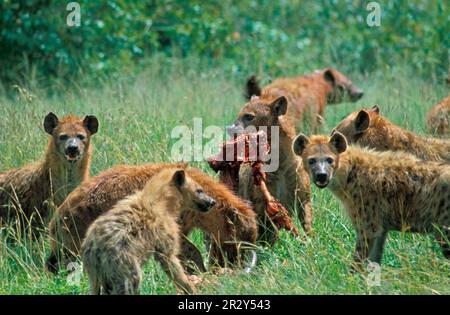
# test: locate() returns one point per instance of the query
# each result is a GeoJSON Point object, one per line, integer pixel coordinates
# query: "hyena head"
{"type": "Point", "coordinates": [71, 135]}
{"type": "Point", "coordinates": [192, 193]}
{"type": "Point", "coordinates": [342, 87]}
{"type": "Point", "coordinates": [365, 127]}
{"type": "Point", "coordinates": [320, 155]}
{"type": "Point", "coordinates": [258, 113]}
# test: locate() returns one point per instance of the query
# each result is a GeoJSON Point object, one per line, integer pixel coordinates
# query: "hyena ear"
{"type": "Point", "coordinates": [279, 106]}
{"type": "Point", "coordinates": [362, 121]}
{"type": "Point", "coordinates": [50, 123]}
{"type": "Point", "coordinates": [376, 109]}
{"type": "Point", "coordinates": [329, 76]}
{"type": "Point", "coordinates": [338, 141]}
{"type": "Point", "coordinates": [91, 124]}
{"type": "Point", "coordinates": [179, 178]}
{"type": "Point", "coordinates": [300, 144]}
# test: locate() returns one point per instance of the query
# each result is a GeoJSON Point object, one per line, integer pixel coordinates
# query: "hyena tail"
{"type": "Point", "coordinates": [252, 88]}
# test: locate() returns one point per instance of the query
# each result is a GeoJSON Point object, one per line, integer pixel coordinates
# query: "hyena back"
{"type": "Point", "coordinates": [367, 127]}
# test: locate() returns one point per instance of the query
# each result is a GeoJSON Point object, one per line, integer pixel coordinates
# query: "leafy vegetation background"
{"type": "Point", "coordinates": [263, 35]}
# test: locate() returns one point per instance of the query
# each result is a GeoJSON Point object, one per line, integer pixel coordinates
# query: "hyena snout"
{"type": "Point", "coordinates": [355, 93]}
{"type": "Point", "coordinates": [72, 150]}
{"type": "Point", "coordinates": [204, 202]}
{"type": "Point", "coordinates": [321, 174]}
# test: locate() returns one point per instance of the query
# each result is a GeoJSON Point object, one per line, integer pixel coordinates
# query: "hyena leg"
{"type": "Point", "coordinates": [364, 245]}
{"type": "Point", "coordinates": [443, 237]}
{"type": "Point", "coordinates": [303, 204]}
{"type": "Point", "coordinates": [190, 254]}
{"type": "Point", "coordinates": [376, 252]}
{"type": "Point", "coordinates": [124, 278]}
{"type": "Point", "coordinates": [267, 231]}
{"type": "Point", "coordinates": [123, 285]}
{"type": "Point", "coordinates": [216, 258]}
{"type": "Point", "coordinates": [305, 216]}
{"type": "Point", "coordinates": [52, 263]}
{"type": "Point", "coordinates": [59, 260]}
{"type": "Point", "coordinates": [172, 267]}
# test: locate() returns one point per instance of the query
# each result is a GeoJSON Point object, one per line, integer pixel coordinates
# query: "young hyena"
{"type": "Point", "coordinates": [293, 191]}
{"type": "Point", "coordinates": [382, 191]}
{"type": "Point", "coordinates": [119, 243]}
{"type": "Point", "coordinates": [29, 193]}
{"type": "Point", "coordinates": [309, 94]}
{"type": "Point", "coordinates": [367, 127]}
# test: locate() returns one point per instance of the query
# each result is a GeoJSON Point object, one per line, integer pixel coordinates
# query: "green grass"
{"type": "Point", "coordinates": [137, 113]}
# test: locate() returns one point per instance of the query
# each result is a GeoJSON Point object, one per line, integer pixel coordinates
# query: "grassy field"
{"type": "Point", "coordinates": [137, 113]}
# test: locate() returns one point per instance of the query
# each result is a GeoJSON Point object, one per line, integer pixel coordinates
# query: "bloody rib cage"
{"type": "Point", "coordinates": [250, 148]}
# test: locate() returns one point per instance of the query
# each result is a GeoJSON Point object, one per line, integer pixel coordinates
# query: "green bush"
{"type": "Point", "coordinates": [265, 35]}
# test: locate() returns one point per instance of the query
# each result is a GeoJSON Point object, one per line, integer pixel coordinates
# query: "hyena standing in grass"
{"type": "Point", "coordinates": [367, 127]}
{"type": "Point", "coordinates": [382, 191]}
{"type": "Point", "coordinates": [309, 94]}
{"type": "Point", "coordinates": [119, 243]}
{"type": "Point", "coordinates": [289, 183]}
{"type": "Point", "coordinates": [28, 194]}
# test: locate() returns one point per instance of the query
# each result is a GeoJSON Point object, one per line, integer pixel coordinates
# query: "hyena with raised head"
{"type": "Point", "coordinates": [381, 191]}
{"type": "Point", "coordinates": [29, 193]}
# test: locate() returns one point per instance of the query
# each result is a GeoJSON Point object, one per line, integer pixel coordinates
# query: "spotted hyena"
{"type": "Point", "coordinates": [29, 193]}
{"type": "Point", "coordinates": [381, 191]}
{"type": "Point", "coordinates": [120, 242]}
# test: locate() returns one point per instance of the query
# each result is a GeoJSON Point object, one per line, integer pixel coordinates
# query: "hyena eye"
{"type": "Point", "coordinates": [311, 161]}
{"type": "Point", "coordinates": [81, 137]}
{"type": "Point", "coordinates": [63, 137]}
{"type": "Point", "coordinates": [248, 117]}
{"type": "Point", "coordinates": [329, 161]}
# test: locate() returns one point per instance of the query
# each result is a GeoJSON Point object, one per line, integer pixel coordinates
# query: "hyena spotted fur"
{"type": "Point", "coordinates": [120, 242]}
{"type": "Point", "coordinates": [30, 193]}
{"type": "Point", "coordinates": [367, 127]}
{"type": "Point", "coordinates": [382, 191]}
{"type": "Point", "coordinates": [229, 224]}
